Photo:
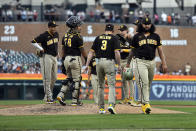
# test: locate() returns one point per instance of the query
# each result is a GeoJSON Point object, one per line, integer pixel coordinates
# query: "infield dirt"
{"type": "Point", "coordinates": [56, 108]}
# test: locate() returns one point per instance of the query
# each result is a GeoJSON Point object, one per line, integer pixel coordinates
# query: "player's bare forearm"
{"type": "Point", "coordinates": [83, 52]}
{"type": "Point", "coordinates": [89, 75]}
{"type": "Point", "coordinates": [161, 54]}
{"type": "Point", "coordinates": [90, 56]}
{"type": "Point", "coordinates": [117, 57]}
{"type": "Point", "coordinates": [63, 51]}
{"type": "Point", "coordinates": [130, 57]}
{"type": "Point", "coordinates": [162, 57]}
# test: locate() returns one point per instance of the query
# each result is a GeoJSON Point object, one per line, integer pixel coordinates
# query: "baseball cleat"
{"type": "Point", "coordinates": [136, 104]}
{"type": "Point", "coordinates": [102, 111]}
{"type": "Point", "coordinates": [146, 108]}
{"type": "Point", "coordinates": [61, 101]}
{"type": "Point", "coordinates": [125, 101]}
{"type": "Point", "coordinates": [49, 101]}
{"type": "Point", "coordinates": [111, 109]}
{"type": "Point", "coordinates": [79, 103]}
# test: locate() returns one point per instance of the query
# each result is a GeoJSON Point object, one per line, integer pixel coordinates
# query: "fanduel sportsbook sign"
{"type": "Point", "coordinates": [175, 90]}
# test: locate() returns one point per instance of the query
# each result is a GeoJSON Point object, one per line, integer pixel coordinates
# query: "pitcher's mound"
{"type": "Point", "coordinates": [56, 108]}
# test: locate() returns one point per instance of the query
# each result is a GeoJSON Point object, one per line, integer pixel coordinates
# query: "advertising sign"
{"type": "Point", "coordinates": [172, 90]}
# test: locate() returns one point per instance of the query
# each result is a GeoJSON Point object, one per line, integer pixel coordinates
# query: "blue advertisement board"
{"type": "Point", "coordinates": [172, 90]}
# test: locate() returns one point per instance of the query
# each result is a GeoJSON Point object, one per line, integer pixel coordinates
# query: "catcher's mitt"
{"type": "Point", "coordinates": [39, 53]}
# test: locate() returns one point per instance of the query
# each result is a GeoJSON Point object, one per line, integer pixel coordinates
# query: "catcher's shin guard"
{"type": "Point", "coordinates": [76, 94]}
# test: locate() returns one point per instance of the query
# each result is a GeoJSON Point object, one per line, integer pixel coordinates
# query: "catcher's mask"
{"type": "Point", "coordinates": [73, 22]}
{"type": "Point", "coordinates": [128, 73]}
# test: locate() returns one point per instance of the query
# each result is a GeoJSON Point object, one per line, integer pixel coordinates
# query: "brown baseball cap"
{"type": "Point", "coordinates": [146, 21]}
{"type": "Point", "coordinates": [137, 22]}
{"type": "Point", "coordinates": [109, 27]}
{"type": "Point", "coordinates": [52, 24]}
{"type": "Point", "coordinates": [123, 27]}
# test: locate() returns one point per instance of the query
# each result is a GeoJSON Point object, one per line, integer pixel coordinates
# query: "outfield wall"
{"type": "Point", "coordinates": [179, 42]}
{"type": "Point", "coordinates": [30, 86]}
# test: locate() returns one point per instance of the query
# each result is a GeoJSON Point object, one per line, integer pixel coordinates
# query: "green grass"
{"type": "Point", "coordinates": [20, 102]}
{"type": "Point", "coordinates": [121, 121]}
{"type": "Point", "coordinates": [27, 102]}
{"type": "Point", "coordinates": [118, 121]}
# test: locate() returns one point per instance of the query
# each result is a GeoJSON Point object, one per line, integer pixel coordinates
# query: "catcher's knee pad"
{"type": "Point", "coordinates": [69, 83]}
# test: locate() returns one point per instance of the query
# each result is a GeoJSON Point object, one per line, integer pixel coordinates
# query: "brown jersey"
{"type": "Point", "coordinates": [72, 43]}
{"type": "Point", "coordinates": [145, 47]}
{"type": "Point", "coordinates": [105, 45]}
{"type": "Point", "coordinates": [124, 44]}
{"type": "Point", "coordinates": [49, 42]}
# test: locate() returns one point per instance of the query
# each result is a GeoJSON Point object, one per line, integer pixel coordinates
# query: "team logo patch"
{"type": "Point", "coordinates": [146, 19]}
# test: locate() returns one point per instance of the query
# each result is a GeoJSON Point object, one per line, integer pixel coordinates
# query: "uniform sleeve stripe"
{"type": "Point", "coordinates": [126, 50]}
{"type": "Point", "coordinates": [92, 50]}
{"type": "Point", "coordinates": [132, 47]}
{"type": "Point", "coordinates": [116, 49]}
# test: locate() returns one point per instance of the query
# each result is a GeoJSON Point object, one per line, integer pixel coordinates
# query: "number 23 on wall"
{"type": "Point", "coordinates": [9, 29]}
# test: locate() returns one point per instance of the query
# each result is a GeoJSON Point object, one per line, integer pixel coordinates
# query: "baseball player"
{"type": "Point", "coordinates": [48, 52]}
{"type": "Point", "coordinates": [144, 45]}
{"type": "Point", "coordinates": [72, 49]}
{"type": "Point", "coordinates": [106, 49]}
{"type": "Point", "coordinates": [128, 86]}
{"type": "Point", "coordinates": [94, 80]}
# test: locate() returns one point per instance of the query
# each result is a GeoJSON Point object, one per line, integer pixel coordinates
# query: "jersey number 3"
{"type": "Point", "coordinates": [104, 45]}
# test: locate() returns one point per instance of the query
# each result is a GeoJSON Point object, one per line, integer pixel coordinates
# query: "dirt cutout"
{"type": "Point", "coordinates": [56, 109]}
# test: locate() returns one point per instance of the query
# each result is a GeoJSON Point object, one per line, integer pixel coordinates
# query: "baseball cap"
{"type": "Point", "coordinates": [123, 27]}
{"type": "Point", "coordinates": [52, 24]}
{"type": "Point", "coordinates": [138, 21]}
{"type": "Point", "coordinates": [109, 27]}
{"type": "Point", "coordinates": [146, 21]}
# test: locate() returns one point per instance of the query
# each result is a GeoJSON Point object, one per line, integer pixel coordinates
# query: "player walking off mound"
{"type": "Point", "coordinates": [128, 86]}
{"type": "Point", "coordinates": [144, 45]}
{"type": "Point", "coordinates": [48, 52]}
{"type": "Point", "coordinates": [72, 49]}
{"type": "Point", "coordinates": [106, 49]}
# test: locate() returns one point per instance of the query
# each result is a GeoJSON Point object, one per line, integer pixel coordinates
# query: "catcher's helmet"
{"type": "Point", "coordinates": [128, 74]}
{"type": "Point", "coordinates": [73, 22]}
